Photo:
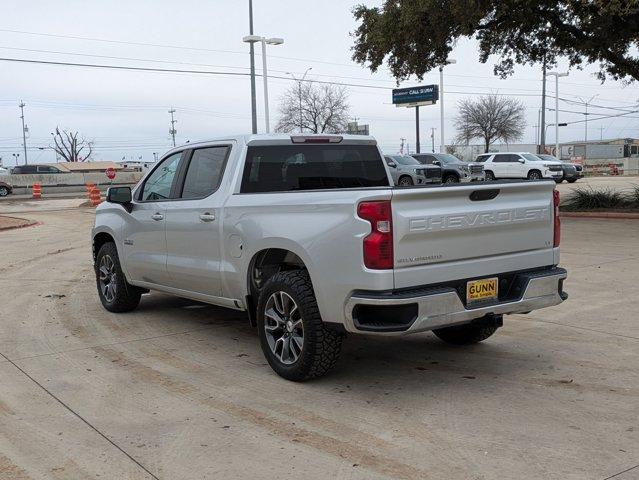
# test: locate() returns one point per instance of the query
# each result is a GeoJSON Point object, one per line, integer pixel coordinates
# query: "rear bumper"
{"type": "Point", "coordinates": [397, 313]}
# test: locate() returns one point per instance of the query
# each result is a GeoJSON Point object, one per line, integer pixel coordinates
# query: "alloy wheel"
{"type": "Point", "coordinates": [108, 278]}
{"type": "Point", "coordinates": [284, 327]}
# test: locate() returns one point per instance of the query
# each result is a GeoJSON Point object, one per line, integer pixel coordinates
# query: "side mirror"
{"type": "Point", "coordinates": [392, 164]}
{"type": "Point", "coordinates": [121, 195]}
{"type": "Point", "coordinates": [521, 160]}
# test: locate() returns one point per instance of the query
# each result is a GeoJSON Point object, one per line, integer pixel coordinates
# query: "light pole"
{"type": "Point", "coordinates": [449, 61]}
{"type": "Point", "coordinates": [557, 75]}
{"type": "Point", "coordinates": [271, 41]}
{"type": "Point", "coordinates": [252, 56]}
{"type": "Point", "coordinates": [15, 157]}
{"type": "Point", "coordinates": [299, 90]}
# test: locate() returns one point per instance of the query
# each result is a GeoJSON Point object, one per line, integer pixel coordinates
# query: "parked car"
{"type": "Point", "coordinates": [307, 234]}
{"type": "Point", "coordinates": [5, 189]}
{"type": "Point", "coordinates": [407, 171]}
{"type": "Point", "coordinates": [519, 165]}
{"type": "Point", "coordinates": [572, 171]}
{"type": "Point", "coordinates": [453, 169]}
{"type": "Point", "coordinates": [33, 169]}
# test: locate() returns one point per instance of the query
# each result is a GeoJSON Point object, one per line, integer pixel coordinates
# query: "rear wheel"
{"type": "Point", "coordinates": [295, 341]}
{"type": "Point", "coordinates": [405, 181]}
{"type": "Point", "coordinates": [489, 175]}
{"type": "Point", "coordinates": [4, 191]}
{"type": "Point", "coordinates": [534, 175]}
{"type": "Point", "coordinates": [470, 333]}
{"type": "Point", "coordinates": [116, 294]}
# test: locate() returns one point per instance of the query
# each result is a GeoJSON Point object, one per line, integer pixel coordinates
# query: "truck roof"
{"type": "Point", "coordinates": [283, 139]}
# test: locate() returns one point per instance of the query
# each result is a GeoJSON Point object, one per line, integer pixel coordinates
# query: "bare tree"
{"type": "Point", "coordinates": [70, 147]}
{"type": "Point", "coordinates": [307, 107]}
{"type": "Point", "coordinates": [490, 118]}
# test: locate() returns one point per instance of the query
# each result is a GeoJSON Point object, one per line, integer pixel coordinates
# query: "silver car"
{"type": "Point", "coordinates": [407, 171]}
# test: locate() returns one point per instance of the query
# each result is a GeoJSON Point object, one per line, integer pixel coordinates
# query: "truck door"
{"type": "Point", "coordinates": [193, 223]}
{"type": "Point", "coordinates": [144, 229]}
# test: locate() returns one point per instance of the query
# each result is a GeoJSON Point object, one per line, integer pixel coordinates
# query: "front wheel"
{"type": "Point", "coordinates": [4, 191]}
{"type": "Point", "coordinates": [295, 341]}
{"type": "Point", "coordinates": [405, 182]}
{"type": "Point", "coordinates": [489, 175]}
{"type": "Point", "coordinates": [534, 175]}
{"type": "Point", "coordinates": [116, 294]}
{"type": "Point", "coordinates": [451, 179]}
{"type": "Point", "coordinates": [572, 180]}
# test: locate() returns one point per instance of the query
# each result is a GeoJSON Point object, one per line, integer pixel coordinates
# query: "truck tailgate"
{"type": "Point", "coordinates": [471, 230]}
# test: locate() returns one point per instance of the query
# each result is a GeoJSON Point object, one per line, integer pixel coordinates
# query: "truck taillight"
{"type": "Point", "coordinates": [378, 245]}
{"type": "Point", "coordinates": [557, 221]}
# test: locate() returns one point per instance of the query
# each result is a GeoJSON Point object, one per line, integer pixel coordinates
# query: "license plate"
{"type": "Point", "coordinates": [485, 289]}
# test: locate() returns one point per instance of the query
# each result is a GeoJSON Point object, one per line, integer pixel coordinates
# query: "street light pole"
{"type": "Point", "coordinates": [442, 146]}
{"type": "Point", "coordinates": [252, 55]}
{"type": "Point", "coordinates": [271, 41]}
{"type": "Point", "coordinates": [557, 75]}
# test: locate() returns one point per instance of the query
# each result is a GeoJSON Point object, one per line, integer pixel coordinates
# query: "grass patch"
{"type": "Point", "coordinates": [588, 199]}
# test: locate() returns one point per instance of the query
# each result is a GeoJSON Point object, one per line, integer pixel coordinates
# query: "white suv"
{"type": "Point", "coordinates": [518, 165]}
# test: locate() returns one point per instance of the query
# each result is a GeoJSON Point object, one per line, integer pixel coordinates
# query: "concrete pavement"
{"type": "Point", "coordinates": [180, 390]}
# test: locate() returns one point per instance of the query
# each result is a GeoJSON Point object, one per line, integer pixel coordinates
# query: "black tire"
{"type": "Point", "coordinates": [450, 179]}
{"type": "Point", "coordinates": [490, 176]}
{"type": "Point", "coordinates": [126, 297]}
{"type": "Point", "coordinates": [320, 345]}
{"type": "Point", "coordinates": [405, 181]}
{"type": "Point", "coordinates": [467, 334]}
{"type": "Point", "coordinates": [572, 180]}
{"type": "Point", "coordinates": [534, 175]}
{"type": "Point", "coordinates": [4, 191]}
{"type": "Point", "coordinates": [558, 180]}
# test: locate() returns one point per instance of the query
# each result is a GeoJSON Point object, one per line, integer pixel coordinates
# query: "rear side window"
{"type": "Point", "coordinates": [505, 158]}
{"type": "Point", "coordinates": [311, 167]}
{"type": "Point", "coordinates": [205, 172]}
{"type": "Point", "coordinates": [482, 158]}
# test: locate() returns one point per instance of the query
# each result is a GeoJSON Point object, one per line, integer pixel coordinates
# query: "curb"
{"type": "Point", "coordinates": [29, 223]}
{"type": "Point", "coordinates": [608, 215]}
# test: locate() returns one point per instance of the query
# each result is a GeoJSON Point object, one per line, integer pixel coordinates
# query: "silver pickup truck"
{"type": "Point", "coordinates": [307, 235]}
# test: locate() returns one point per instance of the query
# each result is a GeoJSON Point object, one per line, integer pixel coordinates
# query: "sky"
{"type": "Point", "coordinates": [125, 113]}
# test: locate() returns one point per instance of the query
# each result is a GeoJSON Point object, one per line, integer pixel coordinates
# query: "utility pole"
{"type": "Point", "coordinates": [172, 130]}
{"type": "Point", "coordinates": [299, 92]}
{"type": "Point", "coordinates": [542, 128]}
{"type": "Point", "coordinates": [252, 54]}
{"type": "Point", "coordinates": [417, 129]}
{"type": "Point", "coordinates": [601, 129]}
{"type": "Point", "coordinates": [401, 147]}
{"type": "Point", "coordinates": [432, 138]}
{"type": "Point", "coordinates": [24, 131]}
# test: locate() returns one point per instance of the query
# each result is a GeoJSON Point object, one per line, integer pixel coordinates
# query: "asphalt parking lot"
{"type": "Point", "coordinates": [179, 390]}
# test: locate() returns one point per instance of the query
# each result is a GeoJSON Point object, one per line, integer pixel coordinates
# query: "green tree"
{"type": "Point", "coordinates": [417, 36]}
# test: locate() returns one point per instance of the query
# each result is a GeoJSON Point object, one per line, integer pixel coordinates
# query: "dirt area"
{"type": "Point", "coordinates": [7, 223]}
{"type": "Point", "coordinates": [180, 390]}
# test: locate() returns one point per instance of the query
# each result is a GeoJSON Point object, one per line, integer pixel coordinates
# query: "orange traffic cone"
{"type": "Point", "coordinates": [90, 186]}
{"type": "Point", "coordinates": [37, 191]}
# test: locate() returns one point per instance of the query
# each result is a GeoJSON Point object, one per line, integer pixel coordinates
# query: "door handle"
{"type": "Point", "coordinates": [207, 217]}
{"type": "Point", "coordinates": [157, 217]}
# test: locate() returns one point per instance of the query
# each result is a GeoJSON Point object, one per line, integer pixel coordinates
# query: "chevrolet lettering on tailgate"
{"type": "Point", "coordinates": [470, 220]}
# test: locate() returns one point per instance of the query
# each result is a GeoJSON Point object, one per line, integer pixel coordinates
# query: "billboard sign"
{"type": "Point", "coordinates": [415, 96]}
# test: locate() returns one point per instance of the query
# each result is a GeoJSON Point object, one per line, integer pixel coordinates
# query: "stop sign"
{"type": "Point", "coordinates": [110, 173]}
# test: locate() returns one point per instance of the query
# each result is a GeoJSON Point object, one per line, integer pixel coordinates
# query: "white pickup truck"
{"type": "Point", "coordinates": [309, 237]}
